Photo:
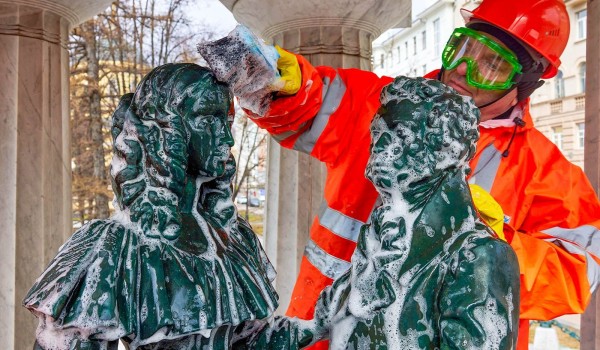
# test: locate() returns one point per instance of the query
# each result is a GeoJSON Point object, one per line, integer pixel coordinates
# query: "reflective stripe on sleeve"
{"type": "Point", "coordinates": [329, 265]}
{"type": "Point", "coordinates": [284, 135]}
{"type": "Point", "coordinates": [593, 269]}
{"type": "Point", "coordinates": [586, 236]}
{"type": "Point", "coordinates": [487, 168]}
{"type": "Point", "coordinates": [332, 96]}
{"type": "Point", "coordinates": [338, 223]}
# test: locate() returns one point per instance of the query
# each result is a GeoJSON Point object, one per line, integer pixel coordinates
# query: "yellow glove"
{"type": "Point", "coordinates": [489, 210]}
{"type": "Point", "coordinates": [289, 69]}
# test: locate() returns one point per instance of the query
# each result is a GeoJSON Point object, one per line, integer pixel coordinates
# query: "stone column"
{"type": "Point", "coordinates": [590, 321]}
{"type": "Point", "coordinates": [35, 166]}
{"type": "Point", "coordinates": [334, 33]}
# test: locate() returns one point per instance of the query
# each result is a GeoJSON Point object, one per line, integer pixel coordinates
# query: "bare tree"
{"type": "Point", "coordinates": [249, 151]}
{"type": "Point", "coordinates": [109, 55]}
{"type": "Point", "coordinates": [89, 161]}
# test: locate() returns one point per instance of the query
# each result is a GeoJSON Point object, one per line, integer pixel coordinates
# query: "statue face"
{"type": "Point", "coordinates": [209, 145]}
{"type": "Point", "coordinates": [387, 166]}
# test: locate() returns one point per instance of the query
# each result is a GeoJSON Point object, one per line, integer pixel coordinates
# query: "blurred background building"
{"type": "Point", "coordinates": [558, 107]}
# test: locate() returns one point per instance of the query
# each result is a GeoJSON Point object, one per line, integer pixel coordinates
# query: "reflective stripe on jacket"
{"type": "Point", "coordinates": [552, 212]}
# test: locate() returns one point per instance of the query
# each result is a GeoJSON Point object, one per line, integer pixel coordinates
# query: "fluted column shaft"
{"type": "Point", "coordinates": [296, 181]}
{"type": "Point", "coordinates": [335, 33]}
{"type": "Point", "coordinates": [35, 170]}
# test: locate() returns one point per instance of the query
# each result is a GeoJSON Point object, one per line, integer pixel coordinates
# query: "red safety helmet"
{"type": "Point", "coordinates": [541, 24]}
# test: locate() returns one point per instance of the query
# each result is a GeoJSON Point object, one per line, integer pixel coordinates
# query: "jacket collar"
{"type": "Point", "coordinates": [520, 111]}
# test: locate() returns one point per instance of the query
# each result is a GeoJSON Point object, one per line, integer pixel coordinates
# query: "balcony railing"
{"type": "Point", "coordinates": [556, 107]}
{"type": "Point", "coordinates": [573, 103]}
{"type": "Point", "coordinates": [580, 102]}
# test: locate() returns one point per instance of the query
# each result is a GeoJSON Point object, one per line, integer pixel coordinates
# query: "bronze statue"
{"type": "Point", "coordinates": [426, 273]}
{"type": "Point", "coordinates": [177, 268]}
{"type": "Point", "coordinates": [175, 259]}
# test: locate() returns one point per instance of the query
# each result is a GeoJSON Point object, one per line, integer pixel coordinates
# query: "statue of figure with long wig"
{"type": "Point", "coordinates": [176, 259]}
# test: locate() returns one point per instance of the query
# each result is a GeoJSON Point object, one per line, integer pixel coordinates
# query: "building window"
{"type": "Point", "coordinates": [381, 61]}
{"type": "Point", "coordinates": [424, 69]}
{"type": "Point", "coordinates": [424, 39]}
{"type": "Point", "coordinates": [580, 135]}
{"type": "Point", "coordinates": [436, 37]}
{"type": "Point", "coordinates": [414, 45]}
{"type": "Point", "coordinates": [559, 88]}
{"type": "Point", "coordinates": [581, 24]}
{"type": "Point", "coordinates": [582, 77]}
{"type": "Point", "coordinates": [406, 49]}
{"type": "Point", "coordinates": [556, 136]}
{"type": "Point", "coordinates": [398, 53]}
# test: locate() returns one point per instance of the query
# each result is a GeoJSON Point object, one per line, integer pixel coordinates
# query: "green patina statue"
{"type": "Point", "coordinates": [176, 268]}
{"type": "Point", "coordinates": [175, 259]}
{"type": "Point", "coordinates": [426, 273]}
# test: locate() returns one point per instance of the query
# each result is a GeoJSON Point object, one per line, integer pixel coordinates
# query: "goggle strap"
{"type": "Point", "coordinates": [526, 77]}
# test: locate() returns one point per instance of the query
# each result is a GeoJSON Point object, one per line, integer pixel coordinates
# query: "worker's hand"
{"type": "Point", "coordinates": [289, 69]}
{"type": "Point", "coordinates": [247, 65]}
{"type": "Point", "coordinates": [489, 210]}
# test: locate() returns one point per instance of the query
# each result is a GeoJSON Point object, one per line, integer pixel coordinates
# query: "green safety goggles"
{"type": "Point", "coordinates": [489, 65]}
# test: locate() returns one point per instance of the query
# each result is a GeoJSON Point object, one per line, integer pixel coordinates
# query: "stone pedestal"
{"type": "Point", "coordinates": [590, 321]}
{"type": "Point", "coordinates": [35, 166]}
{"type": "Point", "coordinates": [334, 33]}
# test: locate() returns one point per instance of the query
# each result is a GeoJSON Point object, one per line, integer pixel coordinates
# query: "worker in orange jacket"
{"type": "Point", "coordinates": [551, 212]}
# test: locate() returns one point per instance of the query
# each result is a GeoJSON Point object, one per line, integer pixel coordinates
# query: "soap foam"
{"type": "Point", "coordinates": [247, 65]}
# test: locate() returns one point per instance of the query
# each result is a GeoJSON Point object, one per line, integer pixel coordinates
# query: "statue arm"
{"type": "Point", "coordinates": [279, 333]}
{"type": "Point", "coordinates": [292, 333]}
{"type": "Point", "coordinates": [479, 301]}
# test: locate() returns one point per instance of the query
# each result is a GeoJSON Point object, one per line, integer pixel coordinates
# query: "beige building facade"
{"type": "Point", "coordinates": [558, 107]}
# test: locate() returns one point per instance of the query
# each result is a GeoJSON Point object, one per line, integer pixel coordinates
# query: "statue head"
{"type": "Point", "coordinates": [175, 128]}
{"type": "Point", "coordinates": [422, 130]}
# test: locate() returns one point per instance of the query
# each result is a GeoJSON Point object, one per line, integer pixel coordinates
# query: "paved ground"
{"type": "Point", "coordinates": [565, 340]}
{"type": "Point", "coordinates": [572, 321]}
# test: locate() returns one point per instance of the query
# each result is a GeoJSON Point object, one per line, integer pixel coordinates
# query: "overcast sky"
{"type": "Point", "coordinates": [213, 14]}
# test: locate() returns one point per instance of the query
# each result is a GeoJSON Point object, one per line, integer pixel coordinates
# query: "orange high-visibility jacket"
{"type": "Point", "coordinates": [551, 210]}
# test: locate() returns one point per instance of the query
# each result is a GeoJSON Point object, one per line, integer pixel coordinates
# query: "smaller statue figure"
{"type": "Point", "coordinates": [426, 273]}
{"type": "Point", "coordinates": [176, 260]}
